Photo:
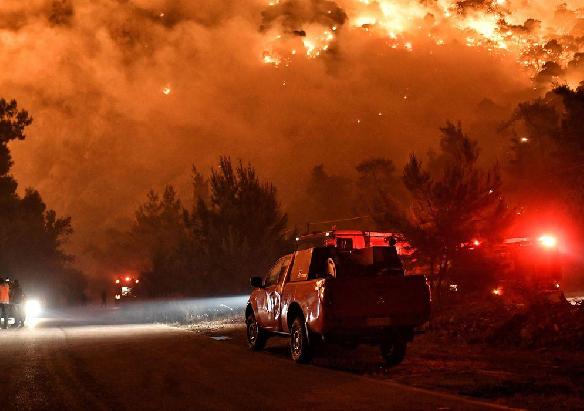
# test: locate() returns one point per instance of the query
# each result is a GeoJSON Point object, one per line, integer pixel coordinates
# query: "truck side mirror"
{"type": "Point", "coordinates": [256, 282]}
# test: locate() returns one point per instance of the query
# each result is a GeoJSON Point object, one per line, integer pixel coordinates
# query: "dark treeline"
{"type": "Point", "coordinates": [31, 235]}
{"type": "Point", "coordinates": [236, 227]}
{"type": "Point", "coordinates": [546, 164]}
{"type": "Point", "coordinates": [233, 226]}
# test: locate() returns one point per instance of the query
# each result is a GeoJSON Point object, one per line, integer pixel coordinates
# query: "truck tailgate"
{"type": "Point", "coordinates": [377, 301]}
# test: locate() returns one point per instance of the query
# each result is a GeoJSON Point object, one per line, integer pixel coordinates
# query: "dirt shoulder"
{"type": "Point", "coordinates": [533, 379]}
{"type": "Point", "coordinates": [523, 378]}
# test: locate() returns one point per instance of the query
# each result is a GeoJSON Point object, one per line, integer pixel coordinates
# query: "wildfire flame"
{"type": "Point", "coordinates": [493, 25]}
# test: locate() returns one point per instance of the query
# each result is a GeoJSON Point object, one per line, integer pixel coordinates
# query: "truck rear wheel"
{"type": "Point", "coordinates": [256, 337]}
{"type": "Point", "coordinates": [394, 351]}
{"type": "Point", "coordinates": [299, 345]}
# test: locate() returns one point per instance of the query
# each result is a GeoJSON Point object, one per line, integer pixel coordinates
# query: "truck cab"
{"type": "Point", "coordinates": [342, 292]}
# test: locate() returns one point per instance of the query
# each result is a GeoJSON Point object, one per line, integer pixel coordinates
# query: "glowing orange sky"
{"type": "Point", "coordinates": [127, 95]}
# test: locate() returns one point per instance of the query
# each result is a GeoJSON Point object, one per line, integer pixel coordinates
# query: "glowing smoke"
{"type": "Point", "coordinates": [127, 94]}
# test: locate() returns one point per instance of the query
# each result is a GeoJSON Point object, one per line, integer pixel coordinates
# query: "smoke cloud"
{"type": "Point", "coordinates": [127, 95]}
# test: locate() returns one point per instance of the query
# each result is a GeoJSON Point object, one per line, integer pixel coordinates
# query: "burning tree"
{"type": "Point", "coordinates": [451, 202]}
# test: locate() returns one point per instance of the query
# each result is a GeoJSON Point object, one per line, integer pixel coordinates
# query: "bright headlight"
{"type": "Point", "coordinates": [32, 308]}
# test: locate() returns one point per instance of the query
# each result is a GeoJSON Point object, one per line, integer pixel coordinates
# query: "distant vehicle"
{"type": "Point", "coordinates": [339, 287]}
{"type": "Point", "coordinates": [531, 264]}
{"type": "Point", "coordinates": [525, 266]}
{"type": "Point", "coordinates": [126, 288]}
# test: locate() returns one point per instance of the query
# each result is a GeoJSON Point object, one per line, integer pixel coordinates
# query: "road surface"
{"type": "Point", "coordinates": [153, 367]}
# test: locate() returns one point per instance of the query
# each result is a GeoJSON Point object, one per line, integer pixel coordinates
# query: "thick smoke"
{"type": "Point", "coordinates": [294, 15]}
{"type": "Point", "coordinates": [127, 95]}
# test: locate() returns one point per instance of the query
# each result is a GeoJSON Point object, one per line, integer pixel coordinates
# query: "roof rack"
{"type": "Point", "coordinates": [347, 239]}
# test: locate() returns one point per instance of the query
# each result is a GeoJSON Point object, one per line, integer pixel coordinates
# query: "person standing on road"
{"type": "Point", "coordinates": [103, 298]}
{"type": "Point", "coordinates": [4, 300]}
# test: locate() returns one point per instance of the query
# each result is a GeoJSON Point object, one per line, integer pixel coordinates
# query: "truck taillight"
{"type": "Point", "coordinates": [498, 291]}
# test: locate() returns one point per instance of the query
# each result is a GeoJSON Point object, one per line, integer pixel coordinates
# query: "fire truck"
{"type": "Point", "coordinates": [513, 268]}
{"type": "Point", "coordinates": [126, 288]}
{"type": "Point", "coordinates": [531, 264]}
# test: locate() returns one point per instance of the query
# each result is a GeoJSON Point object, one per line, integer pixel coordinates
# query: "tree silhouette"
{"type": "Point", "coordinates": [377, 184]}
{"type": "Point", "coordinates": [547, 152]}
{"type": "Point", "coordinates": [160, 236]}
{"type": "Point", "coordinates": [329, 196]}
{"type": "Point", "coordinates": [31, 235]}
{"type": "Point", "coordinates": [450, 206]}
{"type": "Point", "coordinates": [241, 226]}
{"type": "Point", "coordinates": [235, 229]}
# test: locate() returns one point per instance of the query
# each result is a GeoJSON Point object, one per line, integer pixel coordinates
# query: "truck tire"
{"type": "Point", "coordinates": [299, 344]}
{"type": "Point", "coordinates": [256, 337]}
{"type": "Point", "coordinates": [394, 351]}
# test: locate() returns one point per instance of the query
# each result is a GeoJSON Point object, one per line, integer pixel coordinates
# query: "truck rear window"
{"type": "Point", "coordinates": [360, 262]}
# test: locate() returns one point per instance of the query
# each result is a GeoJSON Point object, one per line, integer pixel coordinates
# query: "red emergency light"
{"type": "Point", "coordinates": [548, 241]}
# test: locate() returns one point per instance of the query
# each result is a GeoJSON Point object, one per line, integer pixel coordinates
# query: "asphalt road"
{"type": "Point", "coordinates": [143, 367]}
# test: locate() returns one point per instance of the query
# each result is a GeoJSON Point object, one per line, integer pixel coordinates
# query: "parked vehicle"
{"type": "Point", "coordinates": [336, 293]}
{"type": "Point", "coordinates": [524, 267]}
{"type": "Point", "coordinates": [126, 288]}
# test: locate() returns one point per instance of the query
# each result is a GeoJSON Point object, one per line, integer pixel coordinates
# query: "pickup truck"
{"type": "Point", "coordinates": [333, 294]}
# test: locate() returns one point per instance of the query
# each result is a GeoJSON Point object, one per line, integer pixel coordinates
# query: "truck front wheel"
{"type": "Point", "coordinates": [394, 351]}
{"type": "Point", "coordinates": [256, 337]}
{"type": "Point", "coordinates": [299, 345]}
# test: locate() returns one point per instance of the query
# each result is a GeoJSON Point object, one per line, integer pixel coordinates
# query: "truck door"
{"type": "Point", "coordinates": [269, 307]}
{"type": "Point", "coordinates": [274, 296]}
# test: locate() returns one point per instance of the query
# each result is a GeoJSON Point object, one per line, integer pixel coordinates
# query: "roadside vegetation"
{"type": "Point", "coordinates": [233, 226]}
{"type": "Point", "coordinates": [31, 234]}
